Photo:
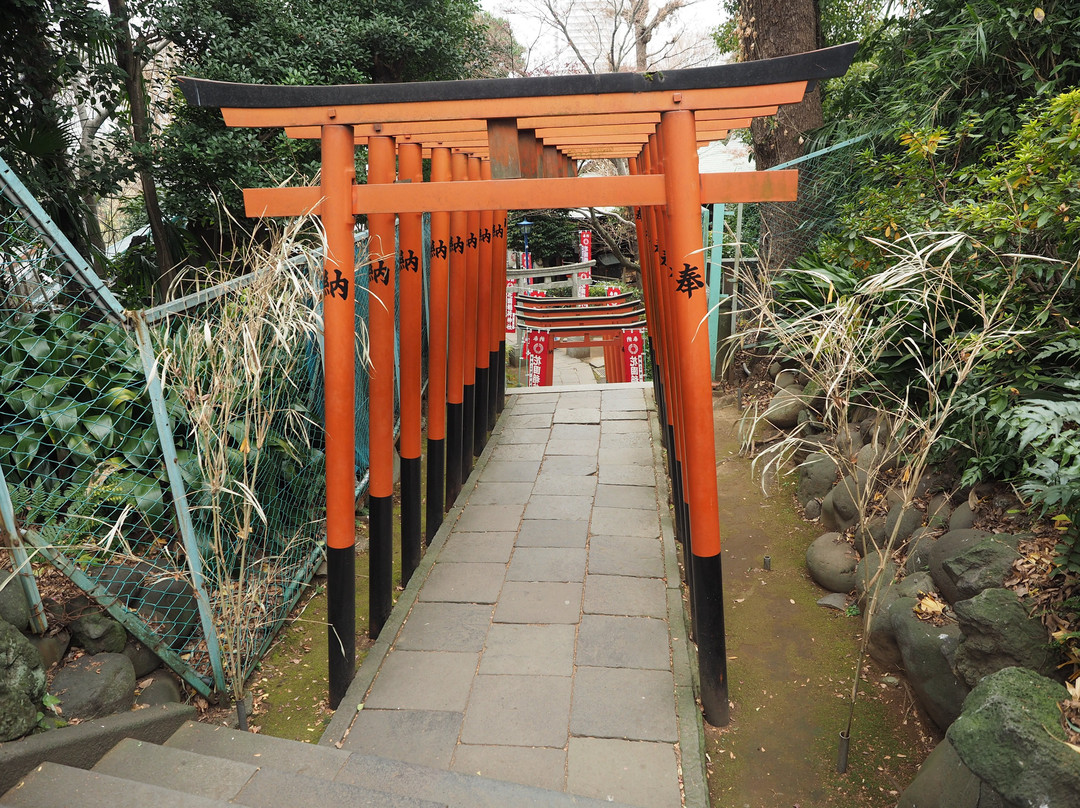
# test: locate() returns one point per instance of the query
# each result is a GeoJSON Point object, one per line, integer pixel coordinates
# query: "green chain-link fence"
{"type": "Point", "coordinates": [168, 461]}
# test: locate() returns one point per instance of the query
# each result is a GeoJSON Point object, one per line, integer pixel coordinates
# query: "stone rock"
{"type": "Point", "coordinates": [840, 508]}
{"type": "Point", "coordinates": [162, 688]}
{"type": "Point", "coordinates": [817, 474]}
{"type": "Point", "coordinates": [945, 781]}
{"type": "Point", "coordinates": [867, 577]}
{"type": "Point", "coordinates": [20, 664]}
{"type": "Point", "coordinates": [170, 606]}
{"type": "Point", "coordinates": [834, 600]}
{"type": "Point", "coordinates": [13, 606]}
{"type": "Point", "coordinates": [918, 549]}
{"type": "Point", "coordinates": [927, 652]}
{"type": "Point", "coordinates": [51, 648]}
{"type": "Point", "coordinates": [808, 444]}
{"type": "Point", "coordinates": [1010, 737]}
{"type": "Point", "coordinates": [982, 566]}
{"type": "Point", "coordinates": [18, 714]}
{"type": "Point", "coordinates": [901, 523]}
{"type": "Point", "coordinates": [784, 409]}
{"type": "Point", "coordinates": [812, 510]}
{"type": "Point", "coordinates": [962, 517]}
{"type": "Point", "coordinates": [952, 543]}
{"type": "Point", "coordinates": [121, 581]}
{"type": "Point", "coordinates": [881, 639]}
{"type": "Point", "coordinates": [97, 633]}
{"type": "Point", "coordinates": [775, 369]}
{"type": "Point", "coordinates": [831, 562]}
{"type": "Point", "coordinates": [94, 686]}
{"type": "Point", "coordinates": [998, 634]}
{"type": "Point", "coordinates": [938, 511]}
{"type": "Point", "coordinates": [870, 535]}
{"type": "Point", "coordinates": [143, 660]}
{"type": "Point", "coordinates": [849, 440]}
{"type": "Point", "coordinates": [785, 378]}
{"type": "Point", "coordinates": [22, 683]}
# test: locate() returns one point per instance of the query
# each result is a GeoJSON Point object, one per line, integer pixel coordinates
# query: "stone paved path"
{"type": "Point", "coordinates": [542, 641]}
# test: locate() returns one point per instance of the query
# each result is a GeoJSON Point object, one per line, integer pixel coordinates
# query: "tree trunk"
{"type": "Point", "coordinates": [770, 28]}
{"type": "Point", "coordinates": [128, 61]}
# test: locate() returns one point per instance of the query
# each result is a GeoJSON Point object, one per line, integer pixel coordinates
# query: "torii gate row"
{"type": "Point", "coordinates": [497, 145]}
{"type": "Point", "coordinates": [616, 323]}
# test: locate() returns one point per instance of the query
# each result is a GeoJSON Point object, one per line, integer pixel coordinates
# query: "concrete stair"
{"type": "Point", "coordinates": [202, 766]}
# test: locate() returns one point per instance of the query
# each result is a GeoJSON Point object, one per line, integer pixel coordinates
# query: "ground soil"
{"type": "Point", "coordinates": [790, 668]}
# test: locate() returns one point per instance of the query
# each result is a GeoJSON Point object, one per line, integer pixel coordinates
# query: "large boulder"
{"type": "Point", "coordinates": [22, 683]}
{"type": "Point", "coordinates": [1010, 736]}
{"type": "Point", "coordinates": [927, 652]}
{"type": "Point", "coordinates": [999, 634]}
{"type": "Point", "coordinates": [13, 606]}
{"type": "Point", "coordinates": [831, 562]}
{"type": "Point", "coordinates": [881, 639]}
{"type": "Point", "coordinates": [981, 566]}
{"type": "Point", "coordinates": [873, 571]}
{"type": "Point", "coordinates": [901, 523]}
{"type": "Point", "coordinates": [870, 535]}
{"type": "Point", "coordinates": [94, 686]}
{"type": "Point", "coordinates": [918, 549]}
{"type": "Point", "coordinates": [952, 543]}
{"type": "Point", "coordinates": [840, 508]}
{"type": "Point", "coordinates": [97, 633]}
{"type": "Point", "coordinates": [784, 409]}
{"type": "Point", "coordinates": [945, 781]}
{"type": "Point", "coordinates": [170, 606]}
{"type": "Point", "coordinates": [962, 518]}
{"type": "Point", "coordinates": [817, 474]}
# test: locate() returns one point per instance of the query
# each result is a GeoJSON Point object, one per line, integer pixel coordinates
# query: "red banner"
{"type": "Point", "coordinates": [633, 354]}
{"type": "Point", "coordinates": [538, 349]}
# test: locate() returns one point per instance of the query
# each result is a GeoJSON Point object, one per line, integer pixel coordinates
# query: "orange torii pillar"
{"type": "Point", "coordinates": [498, 314]}
{"type": "Point", "coordinates": [339, 324]}
{"type": "Point", "coordinates": [472, 295]}
{"type": "Point", "coordinates": [483, 320]}
{"type": "Point", "coordinates": [455, 344]}
{"type": "Point", "coordinates": [438, 303]}
{"type": "Point", "coordinates": [410, 264]}
{"type": "Point", "coordinates": [382, 254]}
{"type": "Point", "coordinates": [686, 286]}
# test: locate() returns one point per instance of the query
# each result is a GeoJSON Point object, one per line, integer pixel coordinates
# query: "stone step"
{"type": "Point", "coordinates": [52, 785]}
{"type": "Point", "coordinates": [227, 780]}
{"type": "Point", "coordinates": [452, 789]}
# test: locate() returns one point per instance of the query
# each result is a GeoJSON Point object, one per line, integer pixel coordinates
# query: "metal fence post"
{"type": "Point", "coordinates": [38, 622]}
{"type": "Point", "coordinates": [179, 494]}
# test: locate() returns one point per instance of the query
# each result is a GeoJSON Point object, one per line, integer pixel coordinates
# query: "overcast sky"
{"type": "Point", "coordinates": [700, 16]}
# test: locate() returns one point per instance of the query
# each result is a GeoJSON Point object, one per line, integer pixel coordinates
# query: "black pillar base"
{"type": "Point", "coordinates": [500, 398]}
{"type": "Point", "coordinates": [468, 428]}
{"type": "Point", "coordinates": [436, 465]}
{"type": "Point", "coordinates": [454, 415]}
{"type": "Point", "coordinates": [411, 524]}
{"type": "Point", "coordinates": [708, 600]}
{"type": "Point", "coordinates": [341, 617]}
{"type": "Point", "coordinates": [380, 562]}
{"type": "Point", "coordinates": [480, 412]}
{"type": "Point", "coordinates": [494, 370]}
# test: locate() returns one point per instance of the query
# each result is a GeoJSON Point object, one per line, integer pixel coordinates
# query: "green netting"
{"type": "Point", "coordinates": [170, 462]}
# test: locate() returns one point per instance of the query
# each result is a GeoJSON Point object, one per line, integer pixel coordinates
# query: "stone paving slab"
{"type": "Point", "coordinates": [537, 649]}
{"type": "Point", "coordinates": [632, 772]}
{"type": "Point", "coordinates": [518, 710]}
{"type": "Point", "coordinates": [623, 595]}
{"type": "Point", "coordinates": [637, 705]}
{"type": "Point", "coordinates": [490, 547]}
{"type": "Point", "coordinates": [557, 506]}
{"type": "Point", "coordinates": [531, 766]}
{"type": "Point", "coordinates": [426, 737]}
{"type": "Point", "coordinates": [553, 533]}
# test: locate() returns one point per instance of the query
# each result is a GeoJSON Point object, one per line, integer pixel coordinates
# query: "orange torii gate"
{"type": "Point", "coordinates": [497, 145]}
